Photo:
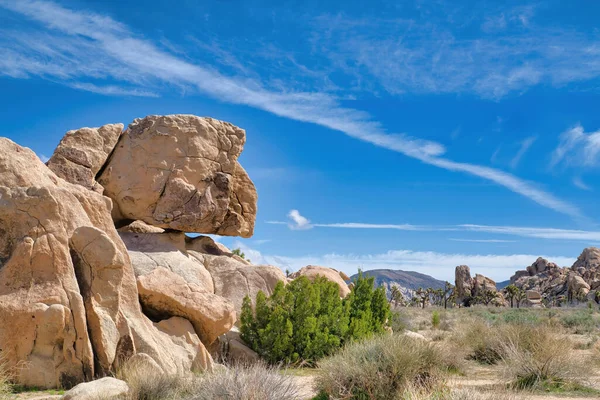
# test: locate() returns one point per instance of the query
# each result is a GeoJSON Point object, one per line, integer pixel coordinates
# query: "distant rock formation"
{"type": "Point", "coordinates": [406, 281]}
{"type": "Point", "coordinates": [83, 297]}
{"type": "Point", "coordinates": [480, 288]}
{"type": "Point", "coordinates": [558, 285]}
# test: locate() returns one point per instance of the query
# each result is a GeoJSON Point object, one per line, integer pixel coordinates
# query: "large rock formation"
{"type": "Point", "coordinates": [81, 154]}
{"type": "Point", "coordinates": [181, 172]}
{"type": "Point", "coordinates": [68, 281]}
{"type": "Point", "coordinates": [557, 285]}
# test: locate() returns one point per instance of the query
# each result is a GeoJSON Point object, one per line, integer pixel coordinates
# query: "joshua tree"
{"type": "Point", "coordinates": [521, 295]}
{"type": "Point", "coordinates": [423, 296]}
{"type": "Point", "coordinates": [448, 293]}
{"type": "Point", "coordinates": [511, 292]}
{"type": "Point", "coordinates": [397, 297]}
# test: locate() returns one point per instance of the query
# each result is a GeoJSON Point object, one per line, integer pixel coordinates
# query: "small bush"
{"type": "Point", "coordinates": [481, 340]}
{"type": "Point", "coordinates": [580, 321]}
{"type": "Point", "coordinates": [256, 382]}
{"type": "Point", "coordinates": [534, 357]}
{"type": "Point", "coordinates": [382, 368]}
{"type": "Point", "coordinates": [435, 320]}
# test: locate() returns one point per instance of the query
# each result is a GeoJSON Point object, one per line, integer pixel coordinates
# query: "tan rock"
{"type": "Point", "coordinates": [234, 351]}
{"type": "Point", "coordinates": [163, 292]}
{"type": "Point", "coordinates": [47, 228]}
{"type": "Point", "coordinates": [181, 172]}
{"type": "Point", "coordinates": [190, 352]}
{"type": "Point", "coordinates": [140, 227]}
{"type": "Point", "coordinates": [149, 251]}
{"type": "Point", "coordinates": [463, 284]}
{"type": "Point", "coordinates": [81, 154]}
{"type": "Point", "coordinates": [482, 283]}
{"type": "Point", "coordinates": [312, 271]}
{"type": "Point", "coordinates": [577, 287]}
{"type": "Point", "coordinates": [234, 280]}
{"type": "Point", "coordinates": [105, 388]}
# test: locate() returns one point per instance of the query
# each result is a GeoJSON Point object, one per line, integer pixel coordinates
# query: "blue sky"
{"type": "Point", "coordinates": [410, 135]}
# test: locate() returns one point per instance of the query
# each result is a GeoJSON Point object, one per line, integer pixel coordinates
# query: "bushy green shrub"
{"type": "Point", "coordinates": [381, 368]}
{"type": "Point", "coordinates": [307, 320]}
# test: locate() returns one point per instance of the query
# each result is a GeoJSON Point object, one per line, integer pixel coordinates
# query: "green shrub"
{"type": "Point", "coordinates": [306, 320]}
{"type": "Point", "coordinates": [435, 320]}
{"type": "Point", "coordinates": [521, 316]}
{"type": "Point", "coordinates": [580, 321]}
{"type": "Point", "coordinates": [382, 368]}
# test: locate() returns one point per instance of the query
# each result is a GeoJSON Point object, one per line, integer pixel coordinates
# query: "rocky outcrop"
{"type": "Point", "coordinates": [81, 154]}
{"type": "Point", "coordinates": [69, 280]}
{"type": "Point", "coordinates": [335, 276]}
{"type": "Point", "coordinates": [463, 283]}
{"type": "Point", "coordinates": [479, 288]}
{"type": "Point", "coordinates": [181, 172]}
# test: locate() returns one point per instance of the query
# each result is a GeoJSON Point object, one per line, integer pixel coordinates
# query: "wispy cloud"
{"type": "Point", "coordinates": [577, 148]}
{"type": "Point", "coordinates": [300, 222]}
{"type": "Point", "coordinates": [525, 144]}
{"type": "Point", "coordinates": [439, 265]}
{"type": "Point", "coordinates": [541, 233]}
{"type": "Point", "coordinates": [481, 240]}
{"type": "Point", "coordinates": [578, 182]}
{"type": "Point", "coordinates": [431, 56]}
{"type": "Point", "coordinates": [82, 49]}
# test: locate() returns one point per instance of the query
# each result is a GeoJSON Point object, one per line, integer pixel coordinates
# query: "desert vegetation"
{"type": "Point", "coordinates": [306, 320]}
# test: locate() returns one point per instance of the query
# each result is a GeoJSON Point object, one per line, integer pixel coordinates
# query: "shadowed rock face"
{"type": "Point", "coordinates": [82, 153]}
{"type": "Point", "coordinates": [181, 172]}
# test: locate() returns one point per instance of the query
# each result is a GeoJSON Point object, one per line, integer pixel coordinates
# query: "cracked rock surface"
{"type": "Point", "coordinates": [181, 172]}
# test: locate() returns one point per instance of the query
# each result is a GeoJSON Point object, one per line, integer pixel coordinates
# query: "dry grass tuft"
{"type": "Point", "coordinates": [146, 383]}
{"type": "Point", "coordinates": [255, 382]}
{"type": "Point", "coordinates": [535, 357]}
{"type": "Point", "coordinates": [382, 368]}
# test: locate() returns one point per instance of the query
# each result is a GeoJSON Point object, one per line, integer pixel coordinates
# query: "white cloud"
{"type": "Point", "coordinates": [80, 48]}
{"type": "Point", "coordinates": [438, 265]}
{"type": "Point", "coordinates": [44, 158]}
{"type": "Point", "coordinates": [525, 144]}
{"type": "Point", "coordinates": [577, 148]}
{"type": "Point", "coordinates": [298, 221]}
{"type": "Point", "coordinates": [577, 181]}
{"type": "Point", "coordinates": [301, 222]}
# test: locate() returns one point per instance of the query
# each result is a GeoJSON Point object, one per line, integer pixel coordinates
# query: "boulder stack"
{"type": "Point", "coordinates": [81, 296]}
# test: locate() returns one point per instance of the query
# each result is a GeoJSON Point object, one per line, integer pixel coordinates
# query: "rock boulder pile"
{"type": "Point", "coordinates": [556, 285]}
{"type": "Point", "coordinates": [78, 297]}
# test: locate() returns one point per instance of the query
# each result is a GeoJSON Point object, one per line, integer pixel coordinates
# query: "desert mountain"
{"type": "Point", "coordinates": [407, 281]}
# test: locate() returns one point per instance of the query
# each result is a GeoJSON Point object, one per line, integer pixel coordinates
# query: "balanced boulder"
{"type": "Point", "coordinates": [181, 172]}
